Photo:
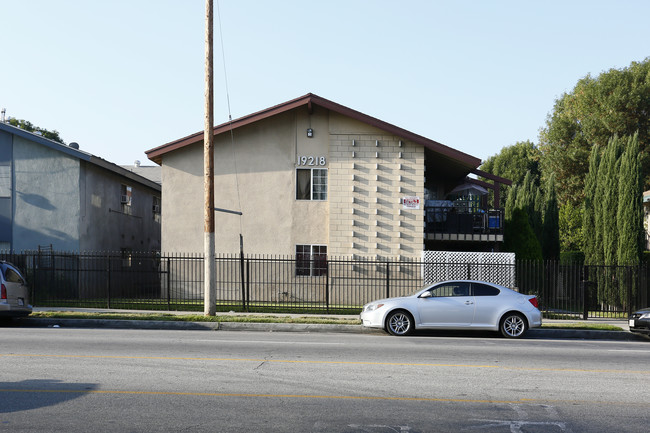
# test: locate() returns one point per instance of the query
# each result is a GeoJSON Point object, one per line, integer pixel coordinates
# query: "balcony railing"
{"type": "Point", "coordinates": [458, 223]}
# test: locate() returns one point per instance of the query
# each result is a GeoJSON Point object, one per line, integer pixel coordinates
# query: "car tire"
{"type": "Point", "coordinates": [513, 325]}
{"type": "Point", "coordinates": [400, 323]}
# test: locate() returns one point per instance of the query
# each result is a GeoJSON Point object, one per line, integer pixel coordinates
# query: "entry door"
{"type": "Point", "coordinates": [450, 305]}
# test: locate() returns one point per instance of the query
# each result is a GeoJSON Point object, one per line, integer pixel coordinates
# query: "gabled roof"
{"type": "Point", "coordinates": [310, 100]}
{"type": "Point", "coordinates": [79, 154]}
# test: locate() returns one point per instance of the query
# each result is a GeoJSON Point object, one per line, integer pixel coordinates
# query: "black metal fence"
{"type": "Point", "coordinates": [156, 281]}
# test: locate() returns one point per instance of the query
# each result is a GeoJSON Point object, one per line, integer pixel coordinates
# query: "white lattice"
{"type": "Point", "coordinates": [498, 268]}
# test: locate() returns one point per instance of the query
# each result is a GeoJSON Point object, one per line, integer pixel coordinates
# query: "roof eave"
{"type": "Point", "coordinates": [309, 100]}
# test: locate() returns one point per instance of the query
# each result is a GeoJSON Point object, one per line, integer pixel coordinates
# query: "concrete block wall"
{"type": "Point", "coordinates": [369, 174]}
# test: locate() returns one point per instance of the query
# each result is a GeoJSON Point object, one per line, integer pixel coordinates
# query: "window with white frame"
{"type": "Point", "coordinates": [311, 260]}
{"type": "Point", "coordinates": [311, 184]}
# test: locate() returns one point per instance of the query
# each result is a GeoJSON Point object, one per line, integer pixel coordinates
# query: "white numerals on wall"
{"type": "Point", "coordinates": [312, 160]}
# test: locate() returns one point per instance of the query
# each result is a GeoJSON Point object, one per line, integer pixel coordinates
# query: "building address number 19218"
{"type": "Point", "coordinates": [312, 160]}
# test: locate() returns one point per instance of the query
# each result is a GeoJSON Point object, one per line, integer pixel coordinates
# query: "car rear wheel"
{"type": "Point", "coordinates": [513, 325]}
{"type": "Point", "coordinates": [399, 323]}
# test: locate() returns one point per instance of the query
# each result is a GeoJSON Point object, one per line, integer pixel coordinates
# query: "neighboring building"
{"type": "Point", "coordinates": [315, 178]}
{"type": "Point", "coordinates": [56, 196]}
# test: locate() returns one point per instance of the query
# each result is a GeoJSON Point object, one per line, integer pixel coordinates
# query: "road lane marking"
{"type": "Point", "coordinates": [299, 361]}
{"type": "Point", "coordinates": [314, 343]}
{"type": "Point", "coordinates": [528, 401]}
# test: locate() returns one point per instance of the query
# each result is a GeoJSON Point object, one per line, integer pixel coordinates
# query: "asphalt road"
{"type": "Point", "coordinates": [79, 380]}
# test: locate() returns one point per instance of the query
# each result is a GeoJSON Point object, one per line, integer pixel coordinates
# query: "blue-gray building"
{"type": "Point", "coordinates": [53, 195]}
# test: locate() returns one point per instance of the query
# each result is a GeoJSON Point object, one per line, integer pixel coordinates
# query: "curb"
{"type": "Point", "coordinates": [560, 334]}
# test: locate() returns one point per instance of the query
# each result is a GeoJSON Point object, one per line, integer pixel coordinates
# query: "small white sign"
{"type": "Point", "coordinates": [411, 203]}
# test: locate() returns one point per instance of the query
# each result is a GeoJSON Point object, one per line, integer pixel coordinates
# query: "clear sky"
{"type": "Point", "coordinates": [123, 76]}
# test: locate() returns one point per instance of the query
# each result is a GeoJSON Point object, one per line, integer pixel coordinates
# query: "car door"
{"type": "Point", "coordinates": [17, 291]}
{"type": "Point", "coordinates": [450, 305]}
{"type": "Point", "coordinates": [489, 305]}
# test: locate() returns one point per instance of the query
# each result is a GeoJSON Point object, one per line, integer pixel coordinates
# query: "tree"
{"type": "Point", "coordinates": [520, 238]}
{"type": "Point", "coordinates": [513, 162]}
{"type": "Point", "coordinates": [629, 218]}
{"type": "Point", "coordinates": [570, 218]}
{"type": "Point", "coordinates": [590, 213]}
{"type": "Point", "coordinates": [609, 204]}
{"type": "Point", "coordinates": [614, 103]}
{"type": "Point", "coordinates": [550, 224]}
{"type": "Point", "coordinates": [28, 126]}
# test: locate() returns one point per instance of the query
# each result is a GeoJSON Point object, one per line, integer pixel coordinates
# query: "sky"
{"type": "Point", "coordinates": [125, 76]}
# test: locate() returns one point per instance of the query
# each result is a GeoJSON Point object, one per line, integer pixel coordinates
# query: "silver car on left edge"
{"type": "Point", "coordinates": [457, 305]}
{"type": "Point", "coordinates": [14, 292]}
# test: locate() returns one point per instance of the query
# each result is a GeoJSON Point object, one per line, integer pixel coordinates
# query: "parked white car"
{"type": "Point", "coordinates": [14, 293]}
{"type": "Point", "coordinates": [458, 305]}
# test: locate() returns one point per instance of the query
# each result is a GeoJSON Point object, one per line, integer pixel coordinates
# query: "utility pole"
{"type": "Point", "coordinates": [210, 292]}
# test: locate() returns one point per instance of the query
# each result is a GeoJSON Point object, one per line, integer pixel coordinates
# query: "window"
{"type": "Point", "coordinates": [311, 184]}
{"type": "Point", "coordinates": [484, 290]}
{"type": "Point", "coordinates": [459, 288]}
{"type": "Point", "coordinates": [311, 260]}
{"type": "Point", "coordinates": [156, 208]}
{"type": "Point", "coordinates": [5, 180]}
{"type": "Point", "coordinates": [126, 193]}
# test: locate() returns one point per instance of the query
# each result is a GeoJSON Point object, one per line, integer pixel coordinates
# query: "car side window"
{"type": "Point", "coordinates": [484, 290]}
{"type": "Point", "coordinates": [12, 276]}
{"type": "Point", "coordinates": [459, 288]}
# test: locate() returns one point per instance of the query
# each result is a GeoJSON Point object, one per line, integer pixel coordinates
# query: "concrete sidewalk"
{"type": "Point", "coordinates": [541, 333]}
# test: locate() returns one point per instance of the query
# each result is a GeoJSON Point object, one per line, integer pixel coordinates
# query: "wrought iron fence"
{"type": "Point", "coordinates": [156, 281]}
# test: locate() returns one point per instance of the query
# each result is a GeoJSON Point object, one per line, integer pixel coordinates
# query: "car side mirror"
{"type": "Point", "coordinates": [426, 294]}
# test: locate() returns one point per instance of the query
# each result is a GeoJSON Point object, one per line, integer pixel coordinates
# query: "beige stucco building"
{"type": "Point", "coordinates": [311, 176]}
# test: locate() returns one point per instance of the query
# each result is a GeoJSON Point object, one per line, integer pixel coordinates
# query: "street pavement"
{"type": "Point", "coordinates": [552, 333]}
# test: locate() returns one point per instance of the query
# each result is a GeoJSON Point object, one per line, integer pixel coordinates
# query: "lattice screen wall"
{"type": "Point", "coordinates": [498, 268]}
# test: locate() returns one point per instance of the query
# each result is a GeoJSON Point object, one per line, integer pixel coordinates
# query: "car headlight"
{"type": "Point", "coordinates": [372, 307]}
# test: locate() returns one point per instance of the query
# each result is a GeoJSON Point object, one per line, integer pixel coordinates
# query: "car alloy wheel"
{"type": "Point", "coordinates": [399, 323]}
{"type": "Point", "coordinates": [513, 325]}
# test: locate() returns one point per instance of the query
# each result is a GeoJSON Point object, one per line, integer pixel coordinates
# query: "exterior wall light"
{"type": "Point", "coordinates": [310, 132]}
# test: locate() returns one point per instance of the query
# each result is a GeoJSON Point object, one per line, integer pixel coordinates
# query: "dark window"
{"type": "Point", "coordinates": [311, 260]}
{"type": "Point", "coordinates": [311, 184]}
{"type": "Point", "coordinates": [12, 275]}
{"type": "Point", "coordinates": [484, 290]}
{"type": "Point", "coordinates": [459, 288]}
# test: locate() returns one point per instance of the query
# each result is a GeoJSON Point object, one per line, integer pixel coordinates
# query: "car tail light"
{"type": "Point", "coordinates": [533, 301]}
{"type": "Point", "coordinates": [3, 292]}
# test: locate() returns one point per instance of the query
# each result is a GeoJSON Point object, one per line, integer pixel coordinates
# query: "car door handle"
{"type": "Point", "coordinates": [468, 302]}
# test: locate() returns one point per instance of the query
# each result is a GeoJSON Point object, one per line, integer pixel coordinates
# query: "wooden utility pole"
{"type": "Point", "coordinates": [210, 292]}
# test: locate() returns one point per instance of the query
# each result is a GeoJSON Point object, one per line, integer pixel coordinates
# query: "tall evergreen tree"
{"type": "Point", "coordinates": [629, 218]}
{"type": "Point", "coordinates": [519, 237]}
{"type": "Point", "coordinates": [551, 227]}
{"type": "Point", "coordinates": [510, 202]}
{"type": "Point", "coordinates": [610, 201]}
{"type": "Point", "coordinates": [590, 214]}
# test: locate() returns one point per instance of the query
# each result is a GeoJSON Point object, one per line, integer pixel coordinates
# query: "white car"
{"type": "Point", "coordinates": [459, 305]}
{"type": "Point", "coordinates": [14, 292]}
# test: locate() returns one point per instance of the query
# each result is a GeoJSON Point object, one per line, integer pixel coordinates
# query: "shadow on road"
{"type": "Point", "coordinates": [37, 393]}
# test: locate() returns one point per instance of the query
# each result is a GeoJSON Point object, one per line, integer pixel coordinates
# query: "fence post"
{"type": "Point", "coordinates": [169, 289]}
{"type": "Point", "coordinates": [248, 284]}
{"type": "Point", "coordinates": [108, 282]}
{"type": "Point", "coordinates": [243, 279]}
{"type": "Point", "coordinates": [35, 279]}
{"type": "Point", "coordinates": [327, 285]}
{"type": "Point", "coordinates": [388, 279]}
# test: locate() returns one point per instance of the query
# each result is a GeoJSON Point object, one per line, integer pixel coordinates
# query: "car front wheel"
{"type": "Point", "coordinates": [399, 323]}
{"type": "Point", "coordinates": [513, 325]}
